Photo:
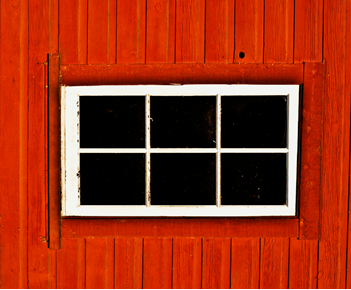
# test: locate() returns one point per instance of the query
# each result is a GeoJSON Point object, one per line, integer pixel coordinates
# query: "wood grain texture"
{"type": "Point", "coordinates": [311, 150]}
{"type": "Point", "coordinates": [249, 24]}
{"type": "Point", "coordinates": [219, 41]}
{"type": "Point", "coordinates": [160, 31]}
{"type": "Point", "coordinates": [303, 264]}
{"type": "Point", "coordinates": [308, 31]}
{"type": "Point", "coordinates": [131, 23]}
{"type": "Point", "coordinates": [279, 31]}
{"type": "Point", "coordinates": [38, 257]}
{"type": "Point", "coordinates": [172, 228]}
{"type": "Point", "coordinates": [182, 74]}
{"type": "Point", "coordinates": [157, 263]}
{"type": "Point", "coordinates": [187, 263]}
{"type": "Point", "coordinates": [53, 26]}
{"type": "Point", "coordinates": [190, 31]}
{"type": "Point", "coordinates": [128, 263]}
{"type": "Point", "coordinates": [245, 263]}
{"type": "Point", "coordinates": [102, 31]}
{"type": "Point", "coordinates": [73, 31]}
{"type": "Point", "coordinates": [216, 263]}
{"type": "Point", "coordinates": [13, 139]}
{"type": "Point", "coordinates": [100, 259]}
{"type": "Point", "coordinates": [336, 151]}
{"type": "Point", "coordinates": [274, 266]}
{"type": "Point", "coordinates": [54, 151]}
{"type": "Point", "coordinates": [71, 264]}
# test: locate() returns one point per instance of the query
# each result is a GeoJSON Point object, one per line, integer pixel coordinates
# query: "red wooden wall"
{"type": "Point", "coordinates": [166, 31]}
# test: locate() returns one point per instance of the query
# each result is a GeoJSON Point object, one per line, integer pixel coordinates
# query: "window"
{"type": "Point", "coordinates": [191, 150]}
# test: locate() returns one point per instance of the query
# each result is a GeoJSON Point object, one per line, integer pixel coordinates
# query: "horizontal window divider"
{"type": "Point", "coordinates": [184, 150]}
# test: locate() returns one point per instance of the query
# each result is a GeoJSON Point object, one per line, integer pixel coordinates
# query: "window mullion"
{"type": "Point", "coordinates": [147, 155]}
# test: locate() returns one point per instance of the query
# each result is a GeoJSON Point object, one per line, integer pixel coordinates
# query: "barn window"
{"type": "Point", "coordinates": [191, 150]}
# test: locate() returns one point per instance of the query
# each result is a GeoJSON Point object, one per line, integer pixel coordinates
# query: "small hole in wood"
{"type": "Point", "coordinates": [241, 55]}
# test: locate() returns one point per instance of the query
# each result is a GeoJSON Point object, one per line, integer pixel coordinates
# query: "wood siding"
{"type": "Point", "coordinates": [166, 32]}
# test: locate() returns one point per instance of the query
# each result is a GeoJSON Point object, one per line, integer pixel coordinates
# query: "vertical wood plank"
{"type": "Point", "coordinates": [190, 31]}
{"type": "Point", "coordinates": [216, 263]}
{"type": "Point", "coordinates": [160, 31]}
{"type": "Point", "coordinates": [71, 264]}
{"type": "Point", "coordinates": [335, 162]}
{"type": "Point", "coordinates": [128, 263]}
{"type": "Point", "coordinates": [274, 263]}
{"type": "Point", "coordinates": [308, 31]}
{"type": "Point", "coordinates": [54, 152]}
{"type": "Point", "coordinates": [157, 267]}
{"type": "Point", "coordinates": [13, 142]}
{"type": "Point", "coordinates": [279, 31]}
{"type": "Point", "coordinates": [73, 31]}
{"type": "Point", "coordinates": [249, 25]}
{"type": "Point", "coordinates": [101, 31]}
{"type": "Point", "coordinates": [219, 43]}
{"type": "Point", "coordinates": [245, 263]}
{"type": "Point", "coordinates": [100, 258]}
{"type": "Point", "coordinates": [187, 263]}
{"type": "Point", "coordinates": [54, 26]}
{"type": "Point", "coordinates": [52, 269]}
{"type": "Point", "coordinates": [131, 31]}
{"type": "Point", "coordinates": [38, 257]}
{"type": "Point", "coordinates": [303, 264]}
{"type": "Point", "coordinates": [348, 93]}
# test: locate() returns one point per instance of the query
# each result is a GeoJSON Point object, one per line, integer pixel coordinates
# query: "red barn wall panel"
{"type": "Point", "coordinates": [249, 26]}
{"type": "Point", "coordinates": [166, 31]}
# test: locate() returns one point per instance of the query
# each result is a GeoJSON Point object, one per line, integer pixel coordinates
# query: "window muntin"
{"type": "Point", "coordinates": [71, 150]}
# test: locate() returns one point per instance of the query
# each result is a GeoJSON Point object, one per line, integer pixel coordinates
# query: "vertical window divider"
{"type": "Point", "coordinates": [218, 154]}
{"type": "Point", "coordinates": [147, 155]}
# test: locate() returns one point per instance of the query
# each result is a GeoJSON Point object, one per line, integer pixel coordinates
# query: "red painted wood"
{"type": "Point", "coordinates": [131, 31]}
{"type": "Point", "coordinates": [54, 26]}
{"type": "Point", "coordinates": [249, 17]}
{"type": "Point", "coordinates": [216, 263]}
{"type": "Point", "coordinates": [81, 228]}
{"type": "Point", "coordinates": [13, 139]}
{"type": "Point", "coordinates": [73, 31]}
{"type": "Point", "coordinates": [219, 41]}
{"type": "Point", "coordinates": [54, 139]}
{"type": "Point", "coordinates": [245, 263]}
{"type": "Point", "coordinates": [181, 73]}
{"type": "Point", "coordinates": [37, 146]}
{"type": "Point", "coordinates": [100, 258]}
{"type": "Point", "coordinates": [102, 31]}
{"type": "Point", "coordinates": [187, 256]}
{"type": "Point", "coordinates": [71, 264]}
{"type": "Point", "coordinates": [128, 263]}
{"type": "Point", "coordinates": [157, 263]}
{"type": "Point", "coordinates": [274, 266]}
{"type": "Point", "coordinates": [311, 150]}
{"type": "Point", "coordinates": [336, 151]}
{"type": "Point", "coordinates": [52, 269]}
{"type": "Point", "coordinates": [303, 264]}
{"type": "Point", "coordinates": [279, 31]}
{"type": "Point", "coordinates": [160, 31]}
{"type": "Point", "coordinates": [190, 31]}
{"type": "Point", "coordinates": [308, 31]}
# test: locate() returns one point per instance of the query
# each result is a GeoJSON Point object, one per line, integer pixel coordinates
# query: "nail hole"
{"type": "Point", "coordinates": [241, 55]}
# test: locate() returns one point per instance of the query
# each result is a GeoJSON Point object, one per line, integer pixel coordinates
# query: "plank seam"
{"type": "Point", "coordinates": [264, 30]}
{"type": "Point", "coordinates": [294, 22]}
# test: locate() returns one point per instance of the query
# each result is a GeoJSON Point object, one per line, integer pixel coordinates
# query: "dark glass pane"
{"type": "Point", "coordinates": [254, 121]}
{"type": "Point", "coordinates": [183, 122]}
{"type": "Point", "coordinates": [183, 179]}
{"type": "Point", "coordinates": [112, 121]}
{"type": "Point", "coordinates": [253, 178]}
{"type": "Point", "coordinates": [112, 179]}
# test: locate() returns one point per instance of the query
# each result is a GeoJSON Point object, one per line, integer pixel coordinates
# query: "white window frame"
{"type": "Point", "coordinates": [70, 151]}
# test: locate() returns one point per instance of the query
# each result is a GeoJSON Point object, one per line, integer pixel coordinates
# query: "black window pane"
{"type": "Point", "coordinates": [253, 179]}
{"type": "Point", "coordinates": [183, 122]}
{"type": "Point", "coordinates": [254, 121]}
{"type": "Point", "coordinates": [183, 179]}
{"type": "Point", "coordinates": [112, 121]}
{"type": "Point", "coordinates": [112, 179]}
